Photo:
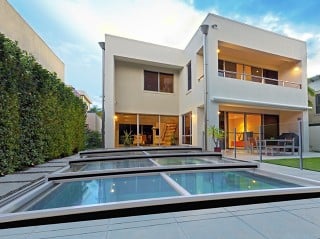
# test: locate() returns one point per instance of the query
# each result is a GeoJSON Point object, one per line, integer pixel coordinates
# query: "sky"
{"type": "Point", "coordinates": [73, 28]}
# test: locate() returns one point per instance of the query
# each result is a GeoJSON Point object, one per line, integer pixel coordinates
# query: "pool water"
{"type": "Point", "coordinates": [180, 161]}
{"type": "Point", "coordinates": [226, 181]}
{"type": "Point", "coordinates": [115, 164]}
{"type": "Point", "coordinates": [137, 163]}
{"type": "Point", "coordinates": [105, 190]}
{"type": "Point", "coordinates": [157, 185]}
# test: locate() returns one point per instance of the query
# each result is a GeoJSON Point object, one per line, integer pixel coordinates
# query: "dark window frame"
{"type": "Point", "coordinates": [317, 101]}
{"type": "Point", "coordinates": [187, 131]}
{"type": "Point", "coordinates": [189, 87]}
{"type": "Point", "coordinates": [161, 85]}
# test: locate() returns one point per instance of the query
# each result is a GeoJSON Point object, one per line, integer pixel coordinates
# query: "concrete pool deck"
{"type": "Point", "coordinates": [289, 219]}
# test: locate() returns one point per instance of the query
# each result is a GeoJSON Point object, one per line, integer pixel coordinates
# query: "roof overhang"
{"type": "Point", "coordinates": [259, 104]}
{"type": "Point", "coordinates": [149, 63]}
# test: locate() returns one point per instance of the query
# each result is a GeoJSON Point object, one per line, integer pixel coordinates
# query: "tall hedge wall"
{"type": "Point", "coordinates": [40, 118]}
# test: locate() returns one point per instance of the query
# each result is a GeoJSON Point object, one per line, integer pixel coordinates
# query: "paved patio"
{"type": "Point", "coordinates": [298, 219]}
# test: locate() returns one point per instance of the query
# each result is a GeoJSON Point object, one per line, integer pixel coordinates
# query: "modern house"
{"type": "Point", "coordinates": [230, 74]}
{"type": "Point", "coordinates": [314, 114]}
{"type": "Point", "coordinates": [13, 26]}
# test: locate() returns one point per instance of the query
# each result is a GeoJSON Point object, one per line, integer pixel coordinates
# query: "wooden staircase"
{"type": "Point", "coordinates": [170, 130]}
{"type": "Point", "coordinates": [166, 131]}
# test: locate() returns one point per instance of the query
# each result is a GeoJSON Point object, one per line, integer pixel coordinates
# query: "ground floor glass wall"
{"type": "Point", "coordinates": [247, 128]}
{"type": "Point", "coordinates": [146, 130]}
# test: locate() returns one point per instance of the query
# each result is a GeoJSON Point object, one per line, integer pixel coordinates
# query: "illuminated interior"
{"type": "Point", "coordinates": [146, 130]}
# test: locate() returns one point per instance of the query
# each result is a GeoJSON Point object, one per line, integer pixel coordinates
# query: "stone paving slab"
{"type": "Point", "coordinates": [6, 188]}
{"type": "Point", "coordinates": [282, 225]}
{"type": "Point", "coordinates": [21, 177]}
{"type": "Point", "coordinates": [52, 164]}
{"type": "Point", "coordinates": [41, 170]}
{"type": "Point", "coordinates": [14, 182]}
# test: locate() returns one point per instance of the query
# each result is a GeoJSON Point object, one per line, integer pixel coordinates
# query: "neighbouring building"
{"type": "Point", "coordinates": [93, 122]}
{"type": "Point", "coordinates": [314, 114]}
{"type": "Point", "coordinates": [236, 77]}
{"type": "Point", "coordinates": [85, 98]}
{"type": "Point", "coordinates": [13, 26]}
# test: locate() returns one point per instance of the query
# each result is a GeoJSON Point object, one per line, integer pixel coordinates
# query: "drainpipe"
{"type": "Point", "coordinates": [204, 29]}
{"type": "Point", "coordinates": [102, 45]}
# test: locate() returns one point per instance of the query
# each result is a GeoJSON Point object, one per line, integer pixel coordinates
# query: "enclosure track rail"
{"type": "Point", "coordinates": [136, 149]}
{"type": "Point", "coordinates": [125, 157]}
{"type": "Point", "coordinates": [145, 170]}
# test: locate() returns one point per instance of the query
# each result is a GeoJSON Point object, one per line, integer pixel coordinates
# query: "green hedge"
{"type": "Point", "coordinates": [40, 118]}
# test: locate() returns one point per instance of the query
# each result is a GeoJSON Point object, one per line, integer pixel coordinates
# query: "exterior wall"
{"type": "Point", "coordinates": [313, 117]}
{"type": "Point", "coordinates": [289, 103]}
{"type": "Point", "coordinates": [130, 95]}
{"type": "Point", "coordinates": [314, 138]}
{"type": "Point", "coordinates": [94, 122]}
{"type": "Point", "coordinates": [85, 98]}
{"type": "Point", "coordinates": [149, 55]}
{"type": "Point", "coordinates": [314, 83]}
{"type": "Point", "coordinates": [249, 94]}
{"type": "Point", "coordinates": [13, 26]}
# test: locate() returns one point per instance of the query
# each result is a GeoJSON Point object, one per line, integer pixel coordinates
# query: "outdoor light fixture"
{"type": "Point", "coordinates": [214, 26]}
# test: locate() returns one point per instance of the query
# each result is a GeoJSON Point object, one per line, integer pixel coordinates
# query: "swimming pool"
{"type": "Point", "coordinates": [118, 186]}
{"type": "Point", "coordinates": [104, 190]}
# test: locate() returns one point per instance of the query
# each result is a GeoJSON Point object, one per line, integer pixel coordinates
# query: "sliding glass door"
{"type": "Point", "coordinates": [247, 128]}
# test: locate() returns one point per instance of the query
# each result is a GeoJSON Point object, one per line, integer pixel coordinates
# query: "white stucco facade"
{"type": "Point", "coordinates": [229, 43]}
{"type": "Point", "coordinates": [14, 27]}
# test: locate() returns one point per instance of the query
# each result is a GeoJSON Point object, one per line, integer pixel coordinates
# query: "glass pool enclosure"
{"type": "Point", "coordinates": [115, 184]}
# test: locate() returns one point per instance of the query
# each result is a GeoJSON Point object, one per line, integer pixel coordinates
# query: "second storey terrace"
{"type": "Point", "coordinates": [236, 73]}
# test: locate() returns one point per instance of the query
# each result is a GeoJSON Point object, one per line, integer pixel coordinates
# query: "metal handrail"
{"type": "Point", "coordinates": [259, 79]}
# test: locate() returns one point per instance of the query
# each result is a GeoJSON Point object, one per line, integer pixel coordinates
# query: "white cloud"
{"type": "Point", "coordinates": [276, 24]}
{"type": "Point", "coordinates": [166, 22]}
{"type": "Point", "coordinates": [155, 21]}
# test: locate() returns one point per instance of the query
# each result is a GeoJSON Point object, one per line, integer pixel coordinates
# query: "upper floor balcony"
{"type": "Point", "coordinates": [256, 66]}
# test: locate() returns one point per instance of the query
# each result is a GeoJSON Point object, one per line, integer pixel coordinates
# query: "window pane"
{"type": "Point", "coordinates": [318, 104]}
{"type": "Point", "coordinates": [239, 71]}
{"type": "Point", "coordinates": [271, 126]}
{"type": "Point", "coordinates": [150, 80]}
{"type": "Point", "coordinates": [187, 128]}
{"type": "Point", "coordinates": [271, 75]}
{"type": "Point", "coordinates": [256, 74]}
{"type": "Point", "coordinates": [236, 121]}
{"type": "Point", "coordinates": [166, 83]}
{"type": "Point", "coordinates": [189, 75]}
{"type": "Point", "coordinates": [231, 69]}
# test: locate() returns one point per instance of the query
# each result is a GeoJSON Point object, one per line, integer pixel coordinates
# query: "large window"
{"type": "Point", "coordinates": [187, 128]}
{"type": "Point", "coordinates": [156, 81]}
{"type": "Point", "coordinates": [317, 103]}
{"type": "Point", "coordinates": [189, 76]}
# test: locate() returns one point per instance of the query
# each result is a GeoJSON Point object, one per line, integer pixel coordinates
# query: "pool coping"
{"type": "Point", "coordinates": [153, 206]}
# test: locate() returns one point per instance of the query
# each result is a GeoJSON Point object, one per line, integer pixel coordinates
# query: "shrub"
{"type": "Point", "coordinates": [93, 139]}
{"type": "Point", "coordinates": [40, 118]}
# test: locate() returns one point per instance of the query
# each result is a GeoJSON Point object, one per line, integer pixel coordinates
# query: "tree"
{"type": "Point", "coordinates": [311, 94]}
{"type": "Point", "coordinates": [95, 109]}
